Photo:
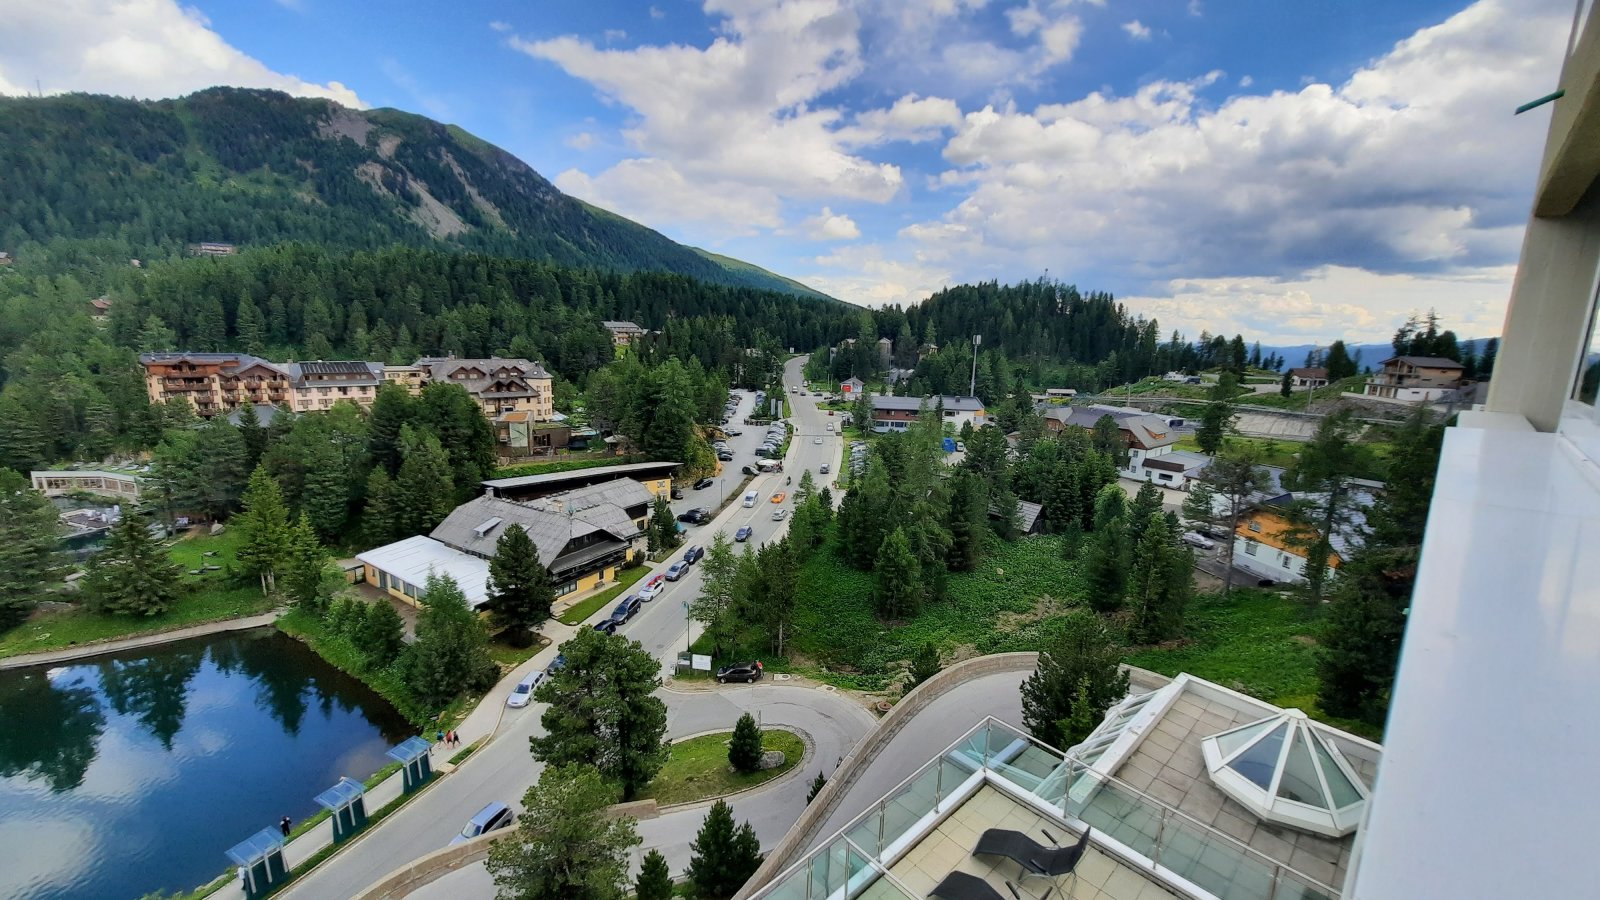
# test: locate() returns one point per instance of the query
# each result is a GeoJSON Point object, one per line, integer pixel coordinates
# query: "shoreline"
{"type": "Point", "coordinates": [135, 642]}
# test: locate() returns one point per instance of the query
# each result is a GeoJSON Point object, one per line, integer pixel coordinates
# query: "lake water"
{"type": "Point", "coordinates": [135, 772]}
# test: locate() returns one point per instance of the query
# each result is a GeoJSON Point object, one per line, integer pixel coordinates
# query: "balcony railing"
{"type": "Point", "coordinates": [1139, 830]}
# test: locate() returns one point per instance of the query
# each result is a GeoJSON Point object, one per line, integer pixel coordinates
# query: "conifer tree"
{"type": "Point", "coordinates": [305, 566]}
{"type": "Point", "coordinates": [1105, 554]}
{"type": "Point", "coordinates": [817, 784]}
{"type": "Point", "coordinates": [424, 492]}
{"type": "Point", "coordinates": [382, 635]}
{"type": "Point", "coordinates": [519, 586]}
{"type": "Point", "coordinates": [30, 546]}
{"type": "Point", "coordinates": [744, 748]}
{"type": "Point", "coordinates": [924, 665]}
{"type": "Point", "coordinates": [897, 578]}
{"type": "Point", "coordinates": [969, 515]}
{"type": "Point", "coordinates": [1160, 581]}
{"type": "Point", "coordinates": [1080, 660]}
{"type": "Point", "coordinates": [655, 880]}
{"type": "Point", "coordinates": [378, 518]}
{"type": "Point", "coordinates": [566, 846]}
{"type": "Point", "coordinates": [263, 526]}
{"type": "Point", "coordinates": [451, 651]}
{"type": "Point", "coordinates": [132, 575]}
{"type": "Point", "coordinates": [724, 855]}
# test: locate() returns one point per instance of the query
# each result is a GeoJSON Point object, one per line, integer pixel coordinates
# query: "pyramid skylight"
{"type": "Point", "coordinates": [1283, 770]}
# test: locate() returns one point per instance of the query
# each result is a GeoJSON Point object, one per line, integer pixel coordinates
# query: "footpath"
{"type": "Point", "coordinates": [82, 651]}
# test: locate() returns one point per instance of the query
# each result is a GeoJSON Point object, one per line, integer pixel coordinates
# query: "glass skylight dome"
{"type": "Point", "coordinates": [1285, 771]}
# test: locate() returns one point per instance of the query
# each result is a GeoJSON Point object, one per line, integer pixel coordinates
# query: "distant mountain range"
{"type": "Point", "coordinates": [247, 167]}
{"type": "Point", "coordinates": [1365, 354]}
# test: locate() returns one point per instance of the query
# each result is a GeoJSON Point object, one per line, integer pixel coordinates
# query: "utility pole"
{"type": "Point", "coordinates": [972, 388]}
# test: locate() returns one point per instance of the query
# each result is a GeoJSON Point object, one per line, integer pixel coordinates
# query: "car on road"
{"type": "Point", "coordinates": [493, 817]}
{"type": "Point", "coordinates": [817, 441]}
{"type": "Point", "coordinates": [735, 433]}
{"type": "Point", "coordinates": [779, 514]}
{"type": "Point", "coordinates": [677, 570]}
{"type": "Point", "coordinates": [609, 626]}
{"type": "Point", "coordinates": [557, 664]}
{"type": "Point", "coordinates": [746, 672]}
{"type": "Point", "coordinates": [677, 492]}
{"type": "Point", "coordinates": [743, 534]}
{"type": "Point", "coordinates": [693, 555]}
{"type": "Point", "coordinates": [703, 483]}
{"type": "Point", "coordinates": [1199, 541]}
{"type": "Point", "coordinates": [653, 588]}
{"type": "Point", "coordinates": [825, 469]}
{"type": "Point", "coordinates": [523, 692]}
{"type": "Point", "coordinates": [696, 516]}
{"type": "Point", "coordinates": [961, 446]}
{"type": "Point", "coordinates": [830, 424]}
{"type": "Point", "coordinates": [777, 496]}
{"type": "Point", "coordinates": [625, 610]}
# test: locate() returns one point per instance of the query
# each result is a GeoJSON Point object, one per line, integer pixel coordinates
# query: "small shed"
{"type": "Point", "coordinates": [414, 756]}
{"type": "Point", "coordinates": [260, 862]}
{"type": "Point", "coordinates": [347, 807]}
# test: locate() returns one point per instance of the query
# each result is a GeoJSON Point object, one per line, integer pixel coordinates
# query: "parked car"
{"type": "Point", "coordinates": [677, 492]}
{"type": "Point", "coordinates": [830, 424]}
{"type": "Point", "coordinates": [735, 433]}
{"type": "Point", "coordinates": [625, 610]}
{"type": "Point", "coordinates": [725, 456]}
{"type": "Point", "coordinates": [693, 555]}
{"type": "Point", "coordinates": [1198, 540]}
{"type": "Point", "coordinates": [746, 672]}
{"type": "Point", "coordinates": [523, 691]}
{"type": "Point", "coordinates": [824, 469]}
{"type": "Point", "coordinates": [677, 570]}
{"type": "Point", "coordinates": [653, 588]}
{"type": "Point", "coordinates": [493, 817]}
{"type": "Point", "coordinates": [608, 626]}
{"type": "Point", "coordinates": [961, 446]}
{"type": "Point", "coordinates": [557, 664]}
{"type": "Point", "coordinates": [702, 484]}
{"type": "Point", "coordinates": [696, 516]}
{"type": "Point", "coordinates": [779, 514]}
{"type": "Point", "coordinates": [778, 496]}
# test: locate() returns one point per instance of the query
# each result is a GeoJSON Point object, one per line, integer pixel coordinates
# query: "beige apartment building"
{"type": "Point", "coordinates": [499, 385]}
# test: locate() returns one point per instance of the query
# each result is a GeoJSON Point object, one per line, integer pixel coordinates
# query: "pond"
{"type": "Point", "coordinates": [131, 773]}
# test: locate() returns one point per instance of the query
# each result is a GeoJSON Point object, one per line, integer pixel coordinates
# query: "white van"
{"type": "Point", "coordinates": [750, 499]}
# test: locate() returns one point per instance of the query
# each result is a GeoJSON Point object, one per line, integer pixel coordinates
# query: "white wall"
{"type": "Point", "coordinates": [1268, 561]}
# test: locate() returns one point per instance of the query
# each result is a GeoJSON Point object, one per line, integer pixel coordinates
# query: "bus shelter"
{"type": "Point", "coordinates": [260, 862]}
{"type": "Point", "coordinates": [416, 764]}
{"type": "Point", "coordinates": [347, 807]}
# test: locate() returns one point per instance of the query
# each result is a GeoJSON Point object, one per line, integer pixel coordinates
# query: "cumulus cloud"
{"type": "Point", "coordinates": [583, 140]}
{"type": "Point", "coordinates": [133, 48]}
{"type": "Point", "coordinates": [657, 12]}
{"type": "Point", "coordinates": [1137, 30]}
{"type": "Point", "coordinates": [1327, 303]}
{"type": "Point", "coordinates": [1406, 167]}
{"type": "Point", "coordinates": [742, 108]}
{"type": "Point", "coordinates": [831, 226]}
{"type": "Point", "coordinates": [502, 27]}
{"type": "Point", "coordinates": [911, 118]}
{"type": "Point", "coordinates": [653, 191]}
{"type": "Point", "coordinates": [871, 276]}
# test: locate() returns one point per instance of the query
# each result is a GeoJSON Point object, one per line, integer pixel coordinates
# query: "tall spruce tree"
{"type": "Point", "coordinates": [654, 881]}
{"type": "Point", "coordinates": [1080, 660]}
{"type": "Point", "coordinates": [969, 519]}
{"type": "Point", "coordinates": [566, 845]}
{"type": "Point", "coordinates": [263, 527]}
{"type": "Point", "coordinates": [1105, 552]}
{"type": "Point", "coordinates": [724, 856]}
{"type": "Point", "coordinates": [603, 711]}
{"type": "Point", "coordinates": [897, 578]}
{"type": "Point", "coordinates": [520, 592]}
{"type": "Point", "coordinates": [1160, 581]}
{"type": "Point", "coordinates": [744, 747]}
{"type": "Point", "coordinates": [424, 491]}
{"type": "Point", "coordinates": [451, 653]}
{"type": "Point", "coordinates": [305, 567]}
{"type": "Point", "coordinates": [30, 546]}
{"type": "Point", "coordinates": [132, 575]}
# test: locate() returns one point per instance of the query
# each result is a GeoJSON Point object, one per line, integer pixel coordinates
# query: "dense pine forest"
{"type": "Point", "coordinates": [252, 167]}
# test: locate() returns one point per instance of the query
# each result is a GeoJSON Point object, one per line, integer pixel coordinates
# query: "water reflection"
{"type": "Point", "coordinates": [132, 773]}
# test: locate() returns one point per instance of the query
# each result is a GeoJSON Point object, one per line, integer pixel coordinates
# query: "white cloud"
{"type": "Point", "coordinates": [657, 13]}
{"type": "Point", "coordinates": [133, 48]}
{"type": "Point", "coordinates": [583, 140]}
{"type": "Point", "coordinates": [1246, 81]}
{"type": "Point", "coordinates": [1410, 166]}
{"type": "Point", "coordinates": [652, 191]}
{"type": "Point", "coordinates": [831, 226]}
{"type": "Point", "coordinates": [502, 27]}
{"type": "Point", "coordinates": [911, 118]}
{"type": "Point", "coordinates": [1195, 8]}
{"type": "Point", "coordinates": [865, 274]}
{"type": "Point", "coordinates": [1058, 33]}
{"type": "Point", "coordinates": [1327, 303]}
{"type": "Point", "coordinates": [612, 35]}
{"type": "Point", "coordinates": [741, 113]}
{"type": "Point", "coordinates": [1137, 30]}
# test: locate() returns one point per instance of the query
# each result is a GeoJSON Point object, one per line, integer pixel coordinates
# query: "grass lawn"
{"type": "Point", "coordinates": [1296, 401]}
{"type": "Point", "coordinates": [562, 464]}
{"type": "Point", "coordinates": [627, 578]}
{"type": "Point", "coordinates": [207, 603]}
{"type": "Point", "coordinates": [1273, 453]}
{"type": "Point", "coordinates": [510, 657]}
{"type": "Point", "coordinates": [698, 768]}
{"type": "Point", "coordinates": [190, 552]}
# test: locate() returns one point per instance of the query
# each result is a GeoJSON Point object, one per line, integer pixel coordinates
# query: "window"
{"type": "Point", "coordinates": [1250, 547]}
{"type": "Point", "coordinates": [1256, 527]}
{"type": "Point", "coordinates": [1164, 477]}
{"type": "Point", "coordinates": [566, 588]}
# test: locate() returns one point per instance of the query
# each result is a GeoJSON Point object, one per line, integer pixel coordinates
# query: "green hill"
{"type": "Point", "coordinates": [251, 167]}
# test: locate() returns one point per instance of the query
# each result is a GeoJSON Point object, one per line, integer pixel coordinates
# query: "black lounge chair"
{"type": "Point", "coordinates": [1035, 858]}
{"type": "Point", "coordinates": [961, 886]}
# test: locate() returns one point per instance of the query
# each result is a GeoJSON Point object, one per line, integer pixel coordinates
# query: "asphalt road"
{"type": "Point", "coordinates": [503, 769]}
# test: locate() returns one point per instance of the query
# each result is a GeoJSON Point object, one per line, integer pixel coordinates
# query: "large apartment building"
{"type": "Point", "coordinates": [499, 385]}
{"type": "Point", "coordinates": [214, 383]}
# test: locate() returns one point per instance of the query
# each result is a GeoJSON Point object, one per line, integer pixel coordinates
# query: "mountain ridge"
{"type": "Point", "coordinates": [247, 166]}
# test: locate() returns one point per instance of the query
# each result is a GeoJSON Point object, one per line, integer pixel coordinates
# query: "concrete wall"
{"type": "Point", "coordinates": [792, 847]}
{"type": "Point", "coordinates": [437, 864]}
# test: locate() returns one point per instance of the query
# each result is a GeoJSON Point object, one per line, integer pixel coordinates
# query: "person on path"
{"type": "Point", "coordinates": [285, 826]}
{"type": "Point", "coordinates": [439, 737]}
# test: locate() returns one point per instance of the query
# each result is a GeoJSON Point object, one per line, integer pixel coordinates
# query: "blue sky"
{"type": "Point", "coordinates": [1296, 171]}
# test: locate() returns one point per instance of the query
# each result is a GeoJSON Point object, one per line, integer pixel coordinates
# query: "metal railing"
{"type": "Point", "coordinates": [1137, 829]}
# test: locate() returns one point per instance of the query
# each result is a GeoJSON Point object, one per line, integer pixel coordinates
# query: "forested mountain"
{"type": "Point", "coordinates": [252, 167]}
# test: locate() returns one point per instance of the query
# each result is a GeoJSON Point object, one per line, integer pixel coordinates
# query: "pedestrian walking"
{"type": "Point", "coordinates": [439, 738]}
{"type": "Point", "coordinates": [285, 826]}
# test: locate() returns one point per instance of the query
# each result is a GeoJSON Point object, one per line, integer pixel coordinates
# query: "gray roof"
{"type": "Point", "coordinates": [240, 361]}
{"type": "Point", "coordinates": [1427, 362]}
{"type": "Point", "coordinates": [1149, 430]}
{"type": "Point", "coordinates": [957, 404]}
{"type": "Point", "coordinates": [620, 326]}
{"type": "Point", "coordinates": [1027, 514]}
{"type": "Point", "coordinates": [475, 527]}
{"type": "Point", "coordinates": [364, 372]}
{"type": "Point", "coordinates": [441, 369]}
{"type": "Point", "coordinates": [650, 469]}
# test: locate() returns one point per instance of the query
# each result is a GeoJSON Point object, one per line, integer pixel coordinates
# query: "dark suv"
{"type": "Point", "coordinates": [695, 516]}
{"type": "Point", "coordinates": [693, 555]}
{"type": "Point", "coordinates": [625, 610]}
{"type": "Point", "coordinates": [746, 672]}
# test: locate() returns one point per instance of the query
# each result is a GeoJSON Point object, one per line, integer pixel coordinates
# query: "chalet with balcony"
{"type": "Point", "coordinates": [499, 385]}
{"type": "Point", "coordinates": [1415, 379]}
{"type": "Point", "coordinates": [319, 385]}
{"type": "Point", "coordinates": [1149, 438]}
{"type": "Point", "coordinates": [897, 413]}
{"type": "Point", "coordinates": [214, 383]}
{"type": "Point", "coordinates": [1308, 377]}
{"type": "Point", "coordinates": [623, 333]}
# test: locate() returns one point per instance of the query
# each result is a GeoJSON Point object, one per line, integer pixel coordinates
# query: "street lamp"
{"type": "Point", "coordinates": [686, 624]}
